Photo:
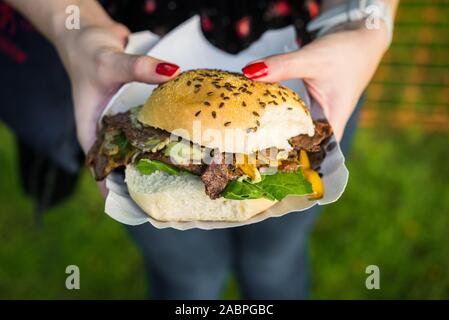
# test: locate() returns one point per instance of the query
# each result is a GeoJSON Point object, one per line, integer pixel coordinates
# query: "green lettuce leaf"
{"type": "Point", "coordinates": [122, 143]}
{"type": "Point", "coordinates": [243, 190]}
{"type": "Point", "coordinates": [274, 187]}
{"type": "Point", "coordinates": [147, 167]}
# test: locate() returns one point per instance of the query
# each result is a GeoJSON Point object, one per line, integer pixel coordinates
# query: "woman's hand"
{"type": "Point", "coordinates": [335, 68]}
{"type": "Point", "coordinates": [97, 65]}
{"type": "Point", "coordinates": [93, 56]}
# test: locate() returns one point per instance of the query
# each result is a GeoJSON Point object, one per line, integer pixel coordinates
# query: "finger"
{"type": "Point", "coordinates": [126, 68]}
{"type": "Point", "coordinates": [297, 64]}
{"type": "Point", "coordinates": [319, 98]}
{"type": "Point", "coordinates": [122, 33]}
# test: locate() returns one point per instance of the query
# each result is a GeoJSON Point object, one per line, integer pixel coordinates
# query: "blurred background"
{"type": "Point", "coordinates": [394, 213]}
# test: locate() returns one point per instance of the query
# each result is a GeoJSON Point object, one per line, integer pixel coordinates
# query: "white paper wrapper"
{"type": "Point", "coordinates": [187, 47]}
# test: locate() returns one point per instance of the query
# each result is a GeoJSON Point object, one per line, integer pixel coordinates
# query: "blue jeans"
{"type": "Point", "coordinates": [269, 258]}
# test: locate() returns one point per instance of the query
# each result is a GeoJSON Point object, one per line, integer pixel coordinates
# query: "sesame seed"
{"type": "Point", "coordinates": [189, 83]}
{"type": "Point", "coordinates": [221, 105]}
{"type": "Point", "coordinates": [283, 99]}
{"type": "Point", "coordinates": [214, 114]}
{"type": "Point", "coordinates": [256, 114]}
{"type": "Point", "coordinates": [210, 93]}
{"type": "Point", "coordinates": [289, 108]}
{"type": "Point", "coordinates": [197, 113]}
{"type": "Point", "coordinates": [226, 98]}
{"type": "Point", "coordinates": [236, 94]}
{"type": "Point", "coordinates": [244, 103]}
{"type": "Point", "coordinates": [206, 103]}
{"type": "Point", "coordinates": [227, 123]}
{"type": "Point", "coordinates": [258, 123]}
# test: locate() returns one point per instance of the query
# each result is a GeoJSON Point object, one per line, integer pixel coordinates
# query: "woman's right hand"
{"type": "Point", "coordinates": [93, 55]}
{"type": "Point", "coordinates": [97, 65]}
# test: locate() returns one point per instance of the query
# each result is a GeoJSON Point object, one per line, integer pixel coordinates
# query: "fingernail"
{"type": "Point", "coordinates": [166, 69]}
{"type": "Point", "coordinates": [255, 70]}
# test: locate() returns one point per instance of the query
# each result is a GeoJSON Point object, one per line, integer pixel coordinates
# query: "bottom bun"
{"type": "Point", "coordinates": [166, 197]}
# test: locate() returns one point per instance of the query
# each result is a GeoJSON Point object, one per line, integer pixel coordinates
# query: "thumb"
{"type": "Point", "coordinates": [124, 67]}
{"type": "Point", "coordinates": [297, 64]}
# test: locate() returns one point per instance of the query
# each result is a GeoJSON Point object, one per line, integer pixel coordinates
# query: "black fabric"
{"type": "Point", "coordinates": [46, 182]}
{"type": "Point", "coordinates": [230, 25]}
{"type": "Point", "coordinates": [36, 105]}
{"type": "Point", "coordinates": [35, 93]}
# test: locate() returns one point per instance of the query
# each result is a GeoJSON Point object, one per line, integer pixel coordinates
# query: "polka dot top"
{"type": "Point", "coordinates": [230, 25]}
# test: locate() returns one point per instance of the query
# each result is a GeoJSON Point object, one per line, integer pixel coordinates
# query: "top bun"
{"type": "Point", "coordinates": [225, 110]}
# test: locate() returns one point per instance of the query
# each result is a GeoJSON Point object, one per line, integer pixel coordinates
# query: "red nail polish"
{"type": "Point", "coordinates": [255, 70]}
{"type": "Point", "coordinates": [166, 69]}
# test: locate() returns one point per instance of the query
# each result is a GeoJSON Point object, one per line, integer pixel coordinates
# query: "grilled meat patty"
{"type": "Point", "coordinates": [123, 139]}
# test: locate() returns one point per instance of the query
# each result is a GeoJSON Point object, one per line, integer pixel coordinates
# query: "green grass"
{"type": "Point", "coordinates": [394, 214]}
{"type": "Point", "coordinates": [33, 259]}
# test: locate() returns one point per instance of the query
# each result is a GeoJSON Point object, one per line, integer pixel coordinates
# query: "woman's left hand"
{"type": "Point", "coordinates": [335, 68]}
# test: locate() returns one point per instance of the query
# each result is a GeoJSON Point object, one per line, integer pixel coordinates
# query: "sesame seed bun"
{"type": "Point", "coordinates": [224, 110]}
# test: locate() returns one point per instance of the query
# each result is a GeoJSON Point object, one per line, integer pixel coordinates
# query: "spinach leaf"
{"type": "Point", "coordinates": [242, 190]}
{"type": "Point", "coordinates": [147, 167]}
{"type": "Point", "coordinates": [274, 187]}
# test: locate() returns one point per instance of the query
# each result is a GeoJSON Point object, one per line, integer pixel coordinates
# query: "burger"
{"type": "Point", "coordinates": [211, 145]}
